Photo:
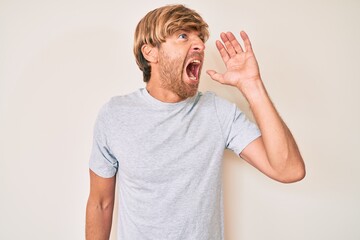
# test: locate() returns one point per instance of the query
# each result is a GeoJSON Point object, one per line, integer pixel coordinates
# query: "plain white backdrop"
{"type": "Point", "coordinates": [61, 60]}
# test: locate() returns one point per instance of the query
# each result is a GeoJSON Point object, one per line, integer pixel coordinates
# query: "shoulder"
{"type": "Point", "coordinates": [121, 102]}
{"type": "Point", "coordinates": [208, 95]}
{"type": "Point", "coordinates": [221, 104]}
{"type": "Point", "coordinates": [212, 96]}
{"type": "Point", "coordinates": [124, 99]}
{"type": "Point", "coordinates": [117, 104]}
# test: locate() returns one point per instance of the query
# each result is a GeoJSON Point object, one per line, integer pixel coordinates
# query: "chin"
{"type": "Point", "coordinates": [188, 90]}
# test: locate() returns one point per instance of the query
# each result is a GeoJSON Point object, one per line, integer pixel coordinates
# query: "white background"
{"type": "Point", "coordinates": [61, 60]}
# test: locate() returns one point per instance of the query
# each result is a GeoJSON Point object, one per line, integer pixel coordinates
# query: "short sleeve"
{"type": "Point", "coordinates": [237, 129]}
{"type": "Point", "coordinates": [102, 161]}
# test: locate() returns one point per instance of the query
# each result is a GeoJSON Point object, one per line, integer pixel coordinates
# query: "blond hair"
{"type": "Point", "coordinates": [161, 23]}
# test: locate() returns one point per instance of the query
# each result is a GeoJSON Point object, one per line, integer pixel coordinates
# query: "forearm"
{"type": "Point", "coordinates": [98, 220]}
{"type": "Point", "coordinates": [281, 149]}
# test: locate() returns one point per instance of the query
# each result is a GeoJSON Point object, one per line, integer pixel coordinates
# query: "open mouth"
{"type": "Point", "coordinates": [193, 69]}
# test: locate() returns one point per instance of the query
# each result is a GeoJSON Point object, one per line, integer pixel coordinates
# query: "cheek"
{"type": "Point", "coordinates": [177, 64]}
{"type": "Point", "coordinates": [173, 61]}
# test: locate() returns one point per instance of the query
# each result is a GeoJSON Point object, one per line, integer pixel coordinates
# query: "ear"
{"type": "Point", "coordinates": [150, 53]}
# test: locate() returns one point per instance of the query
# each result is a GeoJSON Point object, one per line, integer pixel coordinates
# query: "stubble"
{"type": "Point", "coordinates": [171, 73]}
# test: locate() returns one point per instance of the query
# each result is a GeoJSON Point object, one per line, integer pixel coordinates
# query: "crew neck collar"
{"type": "Point", "coordinates": [165, 105]}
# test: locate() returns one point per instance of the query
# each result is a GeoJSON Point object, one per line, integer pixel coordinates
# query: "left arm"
{"type": "Point", "coordinates": [275, 153]}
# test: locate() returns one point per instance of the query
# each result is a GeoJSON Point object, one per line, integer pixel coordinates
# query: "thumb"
{"type": "Point", "coordinates": [215, 75]}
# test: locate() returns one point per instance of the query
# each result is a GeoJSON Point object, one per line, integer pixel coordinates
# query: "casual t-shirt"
{"type": "Point", "coordinates": [168, 161]}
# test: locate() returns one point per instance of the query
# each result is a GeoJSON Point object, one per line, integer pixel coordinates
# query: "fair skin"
{"type": "Point", "coordinates": [99, 207]}
{"type": "Point", "coordinates": [179, 50]}
{"type": "Point", "coordinates": [275, 153]}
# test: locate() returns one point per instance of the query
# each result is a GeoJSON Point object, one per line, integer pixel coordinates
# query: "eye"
{"type": "Point", "coordinates": [183, 36]}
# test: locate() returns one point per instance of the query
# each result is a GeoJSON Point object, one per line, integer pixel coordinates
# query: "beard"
{"type": "Point", "coordinates": [172, 76]}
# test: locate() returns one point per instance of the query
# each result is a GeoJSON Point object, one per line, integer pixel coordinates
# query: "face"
{"type": "Point", "coordinates": [180, 62]}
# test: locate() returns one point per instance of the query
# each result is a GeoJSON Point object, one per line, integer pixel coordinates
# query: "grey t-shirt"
{"type": "Point", "coordinates": [168, 161]}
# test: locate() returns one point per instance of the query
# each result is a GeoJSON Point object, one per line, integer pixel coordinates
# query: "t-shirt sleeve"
{"type": "Point", "coordinates": [238, 130]}
{"type": "Point", "coordinates": [102, 161]}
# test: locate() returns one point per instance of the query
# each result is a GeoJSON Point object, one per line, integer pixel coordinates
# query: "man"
{"type": "Point", "coordinates": [164, 143]}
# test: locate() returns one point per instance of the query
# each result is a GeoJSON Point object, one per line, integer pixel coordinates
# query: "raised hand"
{"type": "Point", "coordinates": [242, 67]}
{"type": "Point", "coordinates": [275, 153]}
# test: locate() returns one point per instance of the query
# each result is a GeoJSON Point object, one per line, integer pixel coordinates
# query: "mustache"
{"type": "Point", "coordinates": [196, 55]}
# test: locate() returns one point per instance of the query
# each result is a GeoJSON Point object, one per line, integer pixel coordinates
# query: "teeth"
{"type": "Point", "coordinates": [192, 69]}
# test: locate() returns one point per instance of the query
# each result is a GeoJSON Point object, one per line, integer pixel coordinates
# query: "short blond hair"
{"type": "Point", "coordinates": [161, 23]}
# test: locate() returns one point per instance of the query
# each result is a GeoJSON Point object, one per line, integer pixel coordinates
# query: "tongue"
{"type": "Point", "coordinates": [191, 71]}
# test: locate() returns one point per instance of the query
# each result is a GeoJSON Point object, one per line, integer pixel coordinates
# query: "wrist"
{"type": "Point", "coordinates": [254, 91]}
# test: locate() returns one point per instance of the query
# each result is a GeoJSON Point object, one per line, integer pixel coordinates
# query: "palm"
{"type": "Point", "coordinates": [241, 65]}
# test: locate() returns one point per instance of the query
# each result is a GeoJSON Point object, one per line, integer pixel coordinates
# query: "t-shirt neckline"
{"type": "Point", "coordinates": [165, 105]}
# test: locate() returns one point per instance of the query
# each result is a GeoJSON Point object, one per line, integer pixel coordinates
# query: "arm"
{"type": "Point", "coordinates": [275, 153]}
{"type": "Point", "coordinates": [99, 207]}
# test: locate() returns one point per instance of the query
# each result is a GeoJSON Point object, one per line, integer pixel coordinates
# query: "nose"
{"type": "Point", "coordinates": [198, 45]}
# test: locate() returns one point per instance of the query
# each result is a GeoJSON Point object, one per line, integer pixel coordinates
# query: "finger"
{"type": "Point", "coordinates": [215, 76]}
{"type": "Point", "coordinates": [246, 40]}
{"type": "Point", "coordinates": [234, 42]}
{"type": "Point", "coordinates": [224, 54]}
{"type": "Point", "coordinates": [229, 47]}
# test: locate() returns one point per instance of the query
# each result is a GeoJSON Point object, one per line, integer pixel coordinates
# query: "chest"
{"type": "Point", "coordinates": [158, 145]}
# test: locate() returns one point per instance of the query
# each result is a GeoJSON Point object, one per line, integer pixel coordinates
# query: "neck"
{"type": "Point", "coordinates": [162, 94]}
